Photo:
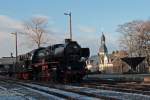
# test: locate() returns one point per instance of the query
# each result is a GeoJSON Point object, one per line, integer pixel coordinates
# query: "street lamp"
{"type": "Point", "coordinates": [16, 46]}
{"type": "Point", "coordinates": [69, 14]}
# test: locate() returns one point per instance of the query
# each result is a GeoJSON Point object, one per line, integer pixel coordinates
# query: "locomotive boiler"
{"type": "Point", "coordinates": [59, 62]}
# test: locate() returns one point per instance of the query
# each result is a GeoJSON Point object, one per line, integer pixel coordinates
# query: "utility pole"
{"type": "Point", "coordinates": [70, 24]}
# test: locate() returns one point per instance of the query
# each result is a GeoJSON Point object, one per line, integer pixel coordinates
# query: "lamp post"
{"type": "Point", "coordinates": [16, 46]}
{"type": "Point", "coordinates": [69, 14]}
{"type": "Point", "coordinates": [131, 45]}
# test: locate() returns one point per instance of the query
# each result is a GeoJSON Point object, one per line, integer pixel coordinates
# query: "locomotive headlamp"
{"type": "Point", "coordinates": [75, 47]}
{"type": "Point", "coordinates": [69, 68]}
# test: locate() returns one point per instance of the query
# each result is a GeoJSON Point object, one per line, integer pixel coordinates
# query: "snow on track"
{"type": "Point", "coordinates": [13, 91]}
{"type": "Point", "coordinates": [2, 88]}
{"type": "Point", "coordinates": [51, 97]}
{"type": "Point", "coordinates": [6, 94]}
{"type": "Point", "coordinates": [69, 94]}
{"type": "Point", "coordinates": [108, 93]}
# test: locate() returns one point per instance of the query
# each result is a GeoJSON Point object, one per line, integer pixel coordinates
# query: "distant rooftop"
{"type": "Point", "coordinates": [7, 60]}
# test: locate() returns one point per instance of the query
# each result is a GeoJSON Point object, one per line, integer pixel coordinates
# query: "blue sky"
{"type": "Point", "coordinates": [89, 19]}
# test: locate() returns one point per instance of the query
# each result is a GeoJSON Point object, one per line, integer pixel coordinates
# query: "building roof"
{"type": "Point", "coordinates": [7, 60]}
{"type": "Point", "coordinates": [103, 37]}
{"type": "Point", "coordinates": [121, 54]}
{"type": "Point", "coordinates": [103, 47]}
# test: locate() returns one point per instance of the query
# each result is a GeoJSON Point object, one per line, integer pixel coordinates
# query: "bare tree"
{"type": "Point", "coordinates": [129, 36]}
{"type": "Point", "coordinates": [144, 36]}
{"type": "Point", "coordinates": [135, 38]}
{"type": "Point", "coordinates": [36, 30]}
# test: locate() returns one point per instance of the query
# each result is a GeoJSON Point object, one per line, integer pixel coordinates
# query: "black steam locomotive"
{"type": "Point", "coordinates": [59, 62]}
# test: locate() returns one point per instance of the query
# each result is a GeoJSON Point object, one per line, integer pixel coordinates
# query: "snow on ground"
{"type": "Point", "coordinates": [13, 95]}
{"type": "Point", "coordinates": [13, 98]}
{"type": "Point", "coordinates": [109, 93]}
{"type": "Point", "coordinates": [17, 92]}
{"type": "Point", "coordinates": [70, 94]}
{"type": "Point", "coordinates": [2, 88]}
{"type": "Point", "coordinates": [51, 97]}
{"type": "Point", "coordinates": [99, 92]}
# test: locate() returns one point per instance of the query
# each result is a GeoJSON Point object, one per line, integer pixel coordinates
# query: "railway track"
{"type": "Point", "coordinates": [131, 87]}
{"type": "Point", "coordinates": [89, 91]}
{"type": "Point", "coordinates": [98, 93]}
{"type": "Point", "coordinates": [61, 93]}
{"type": "Point", "coordinates": [13, 89]}
{"type": "Point", "coordinates": [73, 89]}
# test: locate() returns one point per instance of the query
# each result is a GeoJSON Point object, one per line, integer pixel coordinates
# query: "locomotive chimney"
{"type": "Point", "coordinates": [67, 40]}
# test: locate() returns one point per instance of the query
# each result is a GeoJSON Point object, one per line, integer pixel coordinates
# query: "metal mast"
{"type": "Point", "coordinates": [16, 42]}
{"type": "Point", "coordinates": [70, 24]}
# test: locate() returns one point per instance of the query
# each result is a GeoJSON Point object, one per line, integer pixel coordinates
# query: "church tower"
{"type": "Point", "coordinates": [103, 55]}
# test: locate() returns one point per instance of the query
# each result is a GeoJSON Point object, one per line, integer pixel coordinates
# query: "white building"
{"type": "Point", "coordinates": [92, 64]}
{"type": "Point", "coordinates": [100, 62]}
{"type": "Point", "coordinates": [105, 65]}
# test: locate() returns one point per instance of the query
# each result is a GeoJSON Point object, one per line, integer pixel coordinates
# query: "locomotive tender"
{"type": "Point", "coordinates": [59, 62]}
